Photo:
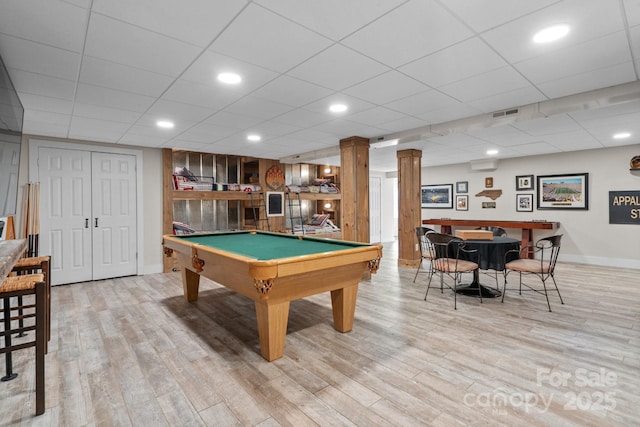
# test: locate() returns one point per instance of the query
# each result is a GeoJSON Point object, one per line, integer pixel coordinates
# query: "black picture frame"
{"type": "Point", "coordinates": [275, 203]}
{"type": "Point", "coordinates": [524, 202]}
{"type": "Point", "coordinates": [524, 182]}
{"type": "Point", "coordinates": [462, 203]}
{"type": "Point", "coordinates": [437, 196]}
{"type": "Point", "coordinates": [563, 191]}
{"type": "Point", "coordinates": [462, 186]}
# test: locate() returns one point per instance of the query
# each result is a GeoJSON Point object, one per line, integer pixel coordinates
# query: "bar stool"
{"type": "Point", "coordinates": [38, 264]}
{"type": "Point", "coordinates": [19, 286]}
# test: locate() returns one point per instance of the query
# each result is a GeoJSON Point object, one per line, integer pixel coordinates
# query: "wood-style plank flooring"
{"type": "Point", "coordinates": [132, 352]}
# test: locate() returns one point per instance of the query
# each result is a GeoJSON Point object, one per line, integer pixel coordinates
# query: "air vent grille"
{"type": "Point", "coordinates": [505, 113]}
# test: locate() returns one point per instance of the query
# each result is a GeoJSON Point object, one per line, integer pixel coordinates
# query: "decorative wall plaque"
{"type": "Point", "coordinates": [274, 178]}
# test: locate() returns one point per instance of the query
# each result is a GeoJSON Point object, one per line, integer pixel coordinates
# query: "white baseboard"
{"type": "Point", "coordinates": [607, 262]}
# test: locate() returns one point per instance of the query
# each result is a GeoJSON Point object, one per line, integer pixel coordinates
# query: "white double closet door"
{"type": "Point", "coordinates": [87, 214]}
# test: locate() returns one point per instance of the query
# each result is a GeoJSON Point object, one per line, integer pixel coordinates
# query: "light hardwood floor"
{"type": "Point", "coordinates": [131, 351]}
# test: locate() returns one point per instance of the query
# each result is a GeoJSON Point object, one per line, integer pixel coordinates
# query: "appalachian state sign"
{"type": "Point", "coordinates": [624, 207]}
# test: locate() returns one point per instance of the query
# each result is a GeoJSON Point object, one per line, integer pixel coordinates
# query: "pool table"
{"type": "Point", "coordinates": [274, 269]}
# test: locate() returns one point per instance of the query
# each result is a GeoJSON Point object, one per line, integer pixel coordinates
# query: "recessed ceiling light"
{"type": "Point", "coordinates": [166, 124]}
{"type": "Point", "coordinates": [621, 135]}
{"type": "Point", "coordinates": [229, 78]}
{"type": "Point", "coordinates": [254, 137]}
{"type": "Point", "coordinates": [551, 34]}
{"type": "Point", "coordinates": [492, 152]}
{"type": "Point", "coordinates": [338, 108]}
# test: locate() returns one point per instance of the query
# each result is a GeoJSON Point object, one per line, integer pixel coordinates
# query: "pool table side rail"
{"type": "Point", "coordinates": [270, 269]}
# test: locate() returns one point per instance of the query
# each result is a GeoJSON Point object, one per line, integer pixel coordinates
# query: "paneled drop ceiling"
{"type": "Point", "coordinates": [431, 73]}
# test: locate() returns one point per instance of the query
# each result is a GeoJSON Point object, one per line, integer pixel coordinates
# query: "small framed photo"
{"type": "Point", "coordinates": [462, 203]}
{"type": "Point", "coordinates": [524, 202]}
{"type": "Point", "coordinates": [462, 187]}
{"type": "Point", "coordinates": [524, 182]}
{"type": "Point", "coordinates": [568, 191]}
{"type": "Point", "coordinates": [488, 205]}
{"type": "Point", "coordinates": [437, 196]}
{"type": "Point", "coordinates": [488, 182]}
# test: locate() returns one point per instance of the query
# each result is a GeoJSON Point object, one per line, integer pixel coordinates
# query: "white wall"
{"type": "Point", "coordinates": [587, 235]}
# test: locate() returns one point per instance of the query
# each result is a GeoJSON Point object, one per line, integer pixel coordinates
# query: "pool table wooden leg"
{"type": "Point", "coordinates": [272, 328]}
{"type": "Point", "coordinates": [343, 302]}
{"type": "Point", "coordinates": [190, 284]}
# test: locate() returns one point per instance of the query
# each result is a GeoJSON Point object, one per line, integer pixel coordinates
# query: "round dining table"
{"type": "Point", "coordinates": [491, 257]}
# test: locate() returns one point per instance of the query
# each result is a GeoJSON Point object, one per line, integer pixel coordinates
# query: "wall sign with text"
{"type": "Point", "coordinates": [624, 207]}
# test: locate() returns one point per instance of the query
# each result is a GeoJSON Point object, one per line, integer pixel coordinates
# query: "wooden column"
{"type": "Point", "coordinates": [410, 211]}
{"type": "Point", "coordinates": [167, 202]}
{"type": "Point", "coordinates": [354, 178]}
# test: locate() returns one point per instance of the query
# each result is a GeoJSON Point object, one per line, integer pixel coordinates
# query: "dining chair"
{"type": "Point", "coordinates": [446, 252]}
{"type": "Point", "coordinates": [497, 231]}
{"type": "Point", "coordinates": [543, 265]}
{"type": "Point", "coordinates": [425, 255]}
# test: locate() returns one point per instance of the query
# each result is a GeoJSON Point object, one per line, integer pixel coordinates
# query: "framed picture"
{"type": "Point", "coordinates": [569, 191]}
{"type": "Point", "coordinates": [488, 182]}
{"type": "Point", "coordinates": [462, 186]}
{"type": "Point", "coordinates": [524, 202]}
{"type": "Point", "coordinates": [488, 205]}
{"type": "Point", "coordinates": [462, 203]}
{"type": "Point", "coordinates": [437, 196]}
{"type": "Point", "coordinates": [275, 203]}
{"type": "Point", "coordinates": [524, 182]}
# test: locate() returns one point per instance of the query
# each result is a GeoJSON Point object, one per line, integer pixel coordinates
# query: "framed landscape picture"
{"type": "Point", "coordinates": [570, 191]}
{"type": "Point", "coordinates": [524, 182]}
{"type": "Point", "coordinates": [524, 202]}
{"type": "Point", "coordinates": [462, 186]}
{"type": "Point", "coordinates": [437, 196]}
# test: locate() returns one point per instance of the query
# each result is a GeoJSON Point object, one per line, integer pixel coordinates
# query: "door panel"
{"type": "Point", "coordinates": [114, 215]}
{"type": "Point", "coordinates": [65, 207]}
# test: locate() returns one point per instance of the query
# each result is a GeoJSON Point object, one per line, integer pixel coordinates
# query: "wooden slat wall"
{"type": "Point", "coordinates": [167, 201]}
{"type": "Point", "coordinates": [409, 215]}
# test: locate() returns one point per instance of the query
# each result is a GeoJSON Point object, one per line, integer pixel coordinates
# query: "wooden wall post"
{"type": "Point", "coordinates": [409, 206]}
{"type": "Point", "coordinates": [167, 201]}
{"type": "Point", "coordinates": [354, 178]}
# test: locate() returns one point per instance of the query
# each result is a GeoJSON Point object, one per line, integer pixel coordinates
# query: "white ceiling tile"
{"type": "Point", "coordinates": [406, 122]}
{"type": "Point", "coordinates": [423, 102]}
{"type": "Point", "coordinates": [354, 105]}
{"type": "Point", "coordinates": [206, 68]}
{"type": "Point", "coordinates": [375, 116]}
{"type": "Point", "coordinates": [263, 38]}
{"type": "Point", "coordinates": [45, 103]}
{"type": "Point", "coordinates": [291, 91]}
{"type": "Point", "coordinates": [207, 133]}
{"type": "Point", "coordinates": [39, 59]}
{"type": "Point", "coordinates": [446, 114]}
{"type": "Point", "coordinates": [228, 119]}
{"type": "Point", "coordinates": [46, 123]}
{"type": "Point", "coordinates": [577, 59]}
{"type": "Point", "coordinates": [480, 16]}
{"type": "Point", "coordinates": [558, 123]}
{"type": "Point", "coordinates": [485, 85]}
{"type": "Point", "coordinates": [343, 128]}
{"type": "Point", "coordinates": [133, 46]}
{"type": "Point", "coordinates": [174, 19]}
{"type": "Point", "coordinates": [583, 82]}
{"type": "Point", "coordinates": [104, 97]}
{"type": "Point", "coordinates": [207, 96]}
{"type": "Point", "coordinates": [387, 87]}
{"type": "Point", "coordinates": [322, 17]}
{"type": "Point", "coordinates": [136, 139]}
{"type": "Point", "coordinates": [589, 19]}
{"type": "Point", "coordinates": [301, 117]}
{"type": "Point", "coordinates": [96, 129]}
{"type": "Point", "coordinates": [457, 62]}
{"type": "Point", "coordinates": [337, 68]}
{"type": "Point", "coordinates": [632, 7]}
{"type": "Point", "coordinates": [109, 74]}
{"type": "Point", "coordinates": [392, 41]}
{"type": "Point", "coordinates": [54, 23]}
{"type": "Point", "coordinates": [105, 113]}
{"type": "Point", "coordinates": [505, 100]}
{"type": "Point", "coordinates": [42, 85]}
{"type": "Point", "coordinates": [178, 112]}
{"type": "Point", "coordinates": [258, 107]}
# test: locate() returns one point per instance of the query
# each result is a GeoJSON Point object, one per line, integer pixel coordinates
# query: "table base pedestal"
{"type": "Point", "coordinates": [472, 291]}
